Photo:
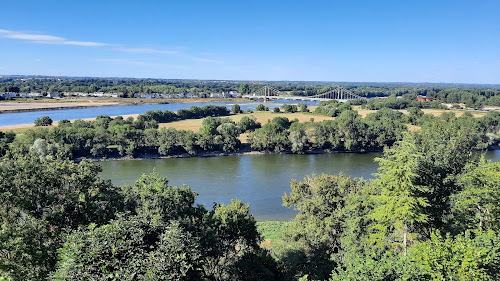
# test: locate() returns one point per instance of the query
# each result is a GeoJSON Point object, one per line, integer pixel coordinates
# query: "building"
{"type": "Point", "coordinates": [422, 98]}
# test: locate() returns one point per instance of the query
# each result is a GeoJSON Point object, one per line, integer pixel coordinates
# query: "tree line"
{"type": "Point", "coordinates": [112, 137]}
{"type": "Point", "coordinates": [474, 96]}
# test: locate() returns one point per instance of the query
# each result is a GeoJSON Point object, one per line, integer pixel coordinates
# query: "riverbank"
{"type": "Point", "coordinates": [28, 105]}
{"type": "Point", "coordinates": [244, 151]}
{"type": "Point", "coordinates": [6, 108]}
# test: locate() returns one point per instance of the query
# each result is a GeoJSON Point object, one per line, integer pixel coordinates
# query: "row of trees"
{"type": "Point", "coordinates": [108, 136]}
{"type": "Point", "coordinates": [350, 132]}
{"type": "Point", "coordinates": [403, 103]}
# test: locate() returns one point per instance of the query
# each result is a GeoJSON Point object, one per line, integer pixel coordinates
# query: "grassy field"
{"type": "Point", "coordinates": [272, 231]}
{"type": "Point", "coordinates": [261, 116]}
{"type": "Point", "coordinates": [435, 112]}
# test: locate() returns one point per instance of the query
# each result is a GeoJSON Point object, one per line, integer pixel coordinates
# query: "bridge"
{"type": "Point", "coordinates": [269, 93]}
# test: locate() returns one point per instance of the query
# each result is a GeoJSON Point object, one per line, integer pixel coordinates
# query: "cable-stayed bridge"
{"type": "Point", "coordinates": [268, 93]}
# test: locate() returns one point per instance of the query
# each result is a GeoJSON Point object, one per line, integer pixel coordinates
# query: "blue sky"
{"type": "Point", "coordinates": [358, 41]}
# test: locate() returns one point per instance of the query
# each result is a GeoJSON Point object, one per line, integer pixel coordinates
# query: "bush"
{"type": "Point", "coordinates": [44, 121]}
{"type": "Point", "coordinates": [260, 107]}
{"type": "Point", "coordinates": [276, 110]}
{"type": "Point", "coordinates": [289, 108]}
{"type": "Point", "coordinates": [236, 109]}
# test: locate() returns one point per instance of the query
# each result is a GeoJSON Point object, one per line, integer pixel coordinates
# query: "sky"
{"type": "Point", "coordinates": [345, 41]}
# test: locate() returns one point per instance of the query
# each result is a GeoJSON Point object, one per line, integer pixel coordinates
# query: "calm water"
{"type": "Point", "coordinates": [260, 180]}
{"type": "Point", "coordinates": [7, 119]}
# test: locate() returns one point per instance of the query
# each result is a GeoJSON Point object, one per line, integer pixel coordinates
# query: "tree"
{"type": "Point", "coordinates": [289, 108]}
{"type": "Point", "coordinates": [236, 109]}
{"type": "Point", "coordinates": [477, 206]}
{"type": "Point", "coordinates": [298, 138]}
{"type": "Point", "coordinates": [319, 225]}
{"type": "Point", "coordinates": [228, 136]}
{"type": "Point", "coordinates": [248, 123]}
{"type": "Point", "coordinates": [350, 130]}
{"type": "Point", "coordinates": [42, 200]}
{"type": "Point", "coordinates": [469, 256]}
{"type": "Point", "coordinates": [130, 249]}
{"type": "Point", "coordinates": [399, 209]}
{"type": "Point", "coordinates": [276, 110]}
{"type": "Point", "coordinates": [244, 88]}
{"type": "Point", "coordinates": [260, 107]}
{"type": "Point", "coordinates": [44, 121]}
{"type": "Point", "coordinates": [5, 140]}
{"type": "Point", "coordinates": [273, 136]}
{"type": "Point", "coordinates": [165, 236]}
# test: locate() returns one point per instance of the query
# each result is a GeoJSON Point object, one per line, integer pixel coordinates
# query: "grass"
{"type": "Point", "coordinates": [435, 112]}
{"type": "Point", "coordinates": [272, 231]}
{"type": "Point", "coordinates": [261, 116]}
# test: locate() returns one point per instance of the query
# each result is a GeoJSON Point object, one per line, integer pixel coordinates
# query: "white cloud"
{"type": "Point", "coordinates": [56, 40]}
{"type": "Point", "coordinates": [47, 39]}
{"type": "Point", "coordinates": [148, 51]}
{"type": "Point", "coordinates": [85, 43]}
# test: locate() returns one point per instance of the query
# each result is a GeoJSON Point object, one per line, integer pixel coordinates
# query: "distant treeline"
{"type": "Point", "coordinates": [472, 95]}
{"type": "Point", "coordinates": [113, 137]}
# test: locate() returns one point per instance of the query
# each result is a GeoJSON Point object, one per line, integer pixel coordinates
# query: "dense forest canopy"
{"type": "Point", "coordinates": [450, 93]}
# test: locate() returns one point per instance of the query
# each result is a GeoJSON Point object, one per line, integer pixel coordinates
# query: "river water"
{"type": "Point", "coordinates": [260, 180]}
{"type": "Point", "coordinates": [8, 119]}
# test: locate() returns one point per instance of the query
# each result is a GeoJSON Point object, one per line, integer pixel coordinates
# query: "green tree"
{"type": "Point", "coordinates": [42, 200]}
{"type": "Point", "coordinates": [260, 107]}
{"type": "Point", "coordinates": [236, 109]}
{"type": "Point", "coordinates": [248, 123]}
{"type": "Point", "coordinates": [477, 206]}
{"type": "Point", "coordinates": [130, 249]}
{"type": "Point", "coordinates": [319, 225]}
{"type": "Point", "coordinates": [5, 140]}
{"type": "Point", "coordinates": [469, 256]}
{"type": "Point", "coordinates": [244, 88]}
{"type": "Point", "coordinates": [44, 121]}
{"type": "Point", "coordinates": [399, 209]}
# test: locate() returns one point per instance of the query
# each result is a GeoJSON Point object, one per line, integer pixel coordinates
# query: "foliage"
{"type": "Point", "coordinates": [319, 225]}
{"type": "Point", "coordinates": [248, 123]}
{"type": "Point", "coordinates": [399, 206]}
{"type": "Point", "coordinates": [236, 109]}
{"type": "Point", "coordinates": [44, 121]}
{"type": "Point", "coordinates": [129, 249]}
{"type": "Point", "coordinates": [43, 199]}
{"type": "Point", "coordinates": [289, 108]}
{"type": "Point", "coordinates": [332, 108]}
{"type": "Point", "coordinates": [469, 256]}
{"type": "Point", "coordinates": [164, 236]}
{"type": "Point", "coordinates": [261, 107]}
{"type": "Point", "coordinates": [5, 140]}
{"type": "Point", "coordinates": [476, 205]}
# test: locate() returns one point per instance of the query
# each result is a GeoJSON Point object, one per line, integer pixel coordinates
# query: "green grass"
{"type": "Point", "coordinates": [273, 230]}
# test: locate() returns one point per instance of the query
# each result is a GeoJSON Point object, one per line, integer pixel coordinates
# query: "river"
{"type": "Point", "coordinates": [260, 180]}
{"type": "Point", "coordinates": [8, 119]}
